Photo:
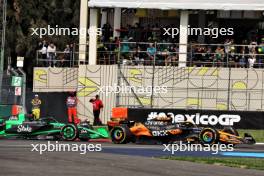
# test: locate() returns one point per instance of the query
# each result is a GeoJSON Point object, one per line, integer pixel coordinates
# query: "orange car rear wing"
{"type": "Point", "coordinates": [119, 113]}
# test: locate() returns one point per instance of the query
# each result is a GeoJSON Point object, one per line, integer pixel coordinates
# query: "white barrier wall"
{"type": "Point", "coordinates": [190, 87]}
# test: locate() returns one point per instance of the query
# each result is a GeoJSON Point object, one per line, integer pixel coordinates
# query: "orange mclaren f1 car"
{"type": "Point", "coordinates": [161, 129]}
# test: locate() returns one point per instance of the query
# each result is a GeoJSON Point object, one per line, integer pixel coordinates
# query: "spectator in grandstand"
{"type": "Point", "coordinates": [252, 53]}
{"type": "Point", "coordinates": [97, 106]}
{"type": "Point", "coordinates": [125, 49]}
{"type": "Point", "coordinates": [151, 51]}
{"type": "Point", "coordinates": [233, 56]}
{"type": "Point", "coordinates": [252, 59]}
{"type": "Point", "coordinates": [252, 47]}
{"type": "Point", "coordinates": [200, 54]}
{"type": "Point", "coordinates": [102, 54]}
{"type": "Point", "coordinates": [67, 55]}
{"type": "Point", "coordinates": [260, 53]}
{"type": "Point", "coordinates": [117, 41]}
{"type": "Point", "coordinates": [138, 56]}
{"type": "Point", "coordinates": [44, 53]}
{"type": "Point", "coordinates": [51, 53]}
{"type": "Point", "coordinates": [40, 45]}
{"type": "Point", "coordinates": [107, 32]}
{"type": "Point", "coordinates": [242, 60]}
{"type": "Point", "coordinates": [36, 102]}
{"type": "Point", "coordinates": [44, 43]}
{"type": "Point", "coordinates": [61, 61]}
{"type": "Point", "coordinates": [111, 46]}
{"type": "Point", "coordinates": [208, 56]}
{"type": "Point", "coordinates": [112, 51]}
{"type": "Point", "coordinates": [219, 55]}
{"type": "Point", "coordinates": [227, 45]}
{"type": "Point", "coordinates": [173, 55]}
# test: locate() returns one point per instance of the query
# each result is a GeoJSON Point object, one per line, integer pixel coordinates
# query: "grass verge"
{"type": "Point", "coordinates": [246, 163]}
{"type": "Point", "coordinates": [258, 135]}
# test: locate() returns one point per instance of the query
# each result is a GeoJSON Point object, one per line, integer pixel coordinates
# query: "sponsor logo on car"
{"type": "Point", "coordinates": [199, 119]}
{"type": "Point", "coordinates": [83, 131]}
{"type": "Point", "coordinates": [22, 128]}
{"type": "Point", "coordinates": [160, 133]}
{"type": "Point", "coordinates": [13, 118]}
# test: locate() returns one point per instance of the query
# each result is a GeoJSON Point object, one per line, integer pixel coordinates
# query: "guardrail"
{"type": "Point", "coordinates": [163, 54]}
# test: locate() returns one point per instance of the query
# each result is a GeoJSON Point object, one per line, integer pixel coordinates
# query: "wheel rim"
{"type": "Point", "coordinates": [118, 134]}
{"type": "Point", "coordinates": [208, 136]}
{"type": "Point", "coordinates": [68, 132]}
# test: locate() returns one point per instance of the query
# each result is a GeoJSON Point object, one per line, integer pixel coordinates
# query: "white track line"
{"type": "Point", "coordinates": [259, 143]}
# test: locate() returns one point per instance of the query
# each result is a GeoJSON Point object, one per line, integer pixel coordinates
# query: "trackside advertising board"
{"type": "Point", "coordinates": [237, 119]}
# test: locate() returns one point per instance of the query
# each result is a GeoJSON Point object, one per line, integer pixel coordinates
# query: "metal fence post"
{"type": "Point", "coordinates": [153, 77]}
{"type": "Point", "coordinates": [229, 89]}
{"type": "Point", "coordinates": [118, 75]}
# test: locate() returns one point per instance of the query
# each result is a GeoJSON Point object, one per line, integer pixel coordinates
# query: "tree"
{"type": "Point", "coordinates": [22, 15]}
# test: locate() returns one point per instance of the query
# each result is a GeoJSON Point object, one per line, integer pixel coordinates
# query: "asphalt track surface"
{"type": "Point", "coordinates": [16, 158]}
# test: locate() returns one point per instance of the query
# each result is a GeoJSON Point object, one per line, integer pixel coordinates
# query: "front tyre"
{"type": "Point", "coordinates": [69, 132]}
{"type": "Point", "coordinates": [209, 136]}
{"type": "Point", "coordinates": [120, 135]}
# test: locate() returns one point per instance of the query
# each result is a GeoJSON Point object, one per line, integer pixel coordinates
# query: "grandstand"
{"type": "Point", "coordinates": [200, 72]}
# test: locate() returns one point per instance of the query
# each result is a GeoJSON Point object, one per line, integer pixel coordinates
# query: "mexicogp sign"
{"type": "Point", "coordinates": [16, 81]}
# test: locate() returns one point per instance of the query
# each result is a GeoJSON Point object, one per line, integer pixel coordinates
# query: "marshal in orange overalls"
{"type": "Point", "coordinates": [72, 109]}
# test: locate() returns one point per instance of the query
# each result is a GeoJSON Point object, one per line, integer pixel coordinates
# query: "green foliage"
{"type": "Point", "coordinates": [22, 15]}
{"type": "Point", "coordinates": [258, 135]}
{"type": "Point", "coordinates": [246, 163]}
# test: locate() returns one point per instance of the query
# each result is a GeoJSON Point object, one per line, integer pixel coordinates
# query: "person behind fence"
{"type": "Point", "coordinates": [51, 53]}
{"type": "Point", "coordinates": [260, 53]}
{"type": "Point", "coordinates": [43, 53]}
{"type": "Point", "coordinates": [72, 50]}
{"type": "Point", "coordinates": [67, 55]}
{"type": "Point", "coordinates": [151, 51]}
{"type": "Point", "coordinates": [36, 102]}
{"type": "Point", "coordinates": [71, 103]}
{"type": "Point", "coordinates": [97, 106]}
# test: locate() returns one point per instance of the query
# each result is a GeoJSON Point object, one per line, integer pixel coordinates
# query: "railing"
{"type": "Point", "coordinates": [57, 59]}
{"type": "Point", "coordinates": [164, 54]}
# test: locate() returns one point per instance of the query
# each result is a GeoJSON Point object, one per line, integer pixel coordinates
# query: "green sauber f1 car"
{"type": "Point", "coordinates": [22, 126]}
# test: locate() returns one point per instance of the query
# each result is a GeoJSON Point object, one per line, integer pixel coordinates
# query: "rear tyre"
{"type": "Point", "coordinates": [120, 135]}
{"type": "Point", "coordinates": [209, 136]}
{"type": "Point", "coordinates": [69, 132]}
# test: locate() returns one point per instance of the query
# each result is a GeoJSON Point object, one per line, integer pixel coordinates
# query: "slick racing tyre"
{"type": "Point", "coordinates": [120, 135]}
{"type": "Point", "coordinates": [69, 132]}
{"type": "Point", "coordinates": [209, 136]}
